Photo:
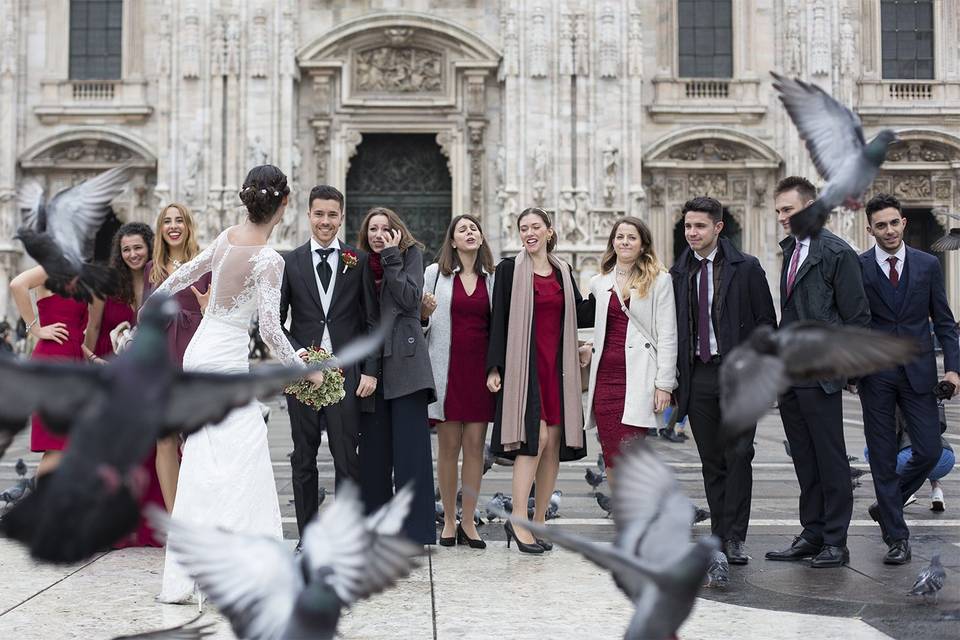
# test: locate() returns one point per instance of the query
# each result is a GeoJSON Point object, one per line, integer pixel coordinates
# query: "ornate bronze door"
{"type": "Point", "coordinates": [404, 172]}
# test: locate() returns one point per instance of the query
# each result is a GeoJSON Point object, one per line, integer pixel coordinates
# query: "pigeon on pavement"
{"type": "Point", "coordinates": [718, 573]}
{"type": "Point", "coordinates": [930, 580]}
{"type": "Point", "coordinates": [605, 503]}
{"type": "Point", "coordinates": [267, 593]}
{"type": "Point", "coordinates": [652, 559]}
{"type": "Point", "coordinates": [700, 514]}
{"type": "Point", "coordinates": [834, 137]}
{"type": "Point", "coordinates": [769, 361]}
{"type": "Point", "coordinates": [594, 478]}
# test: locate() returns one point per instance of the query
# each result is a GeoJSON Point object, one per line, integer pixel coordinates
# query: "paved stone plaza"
{"type": "Point", "coordinates": [463, 594]}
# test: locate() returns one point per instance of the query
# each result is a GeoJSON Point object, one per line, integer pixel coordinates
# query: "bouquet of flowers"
{"type": "Point", "coordinates": [328, 393]}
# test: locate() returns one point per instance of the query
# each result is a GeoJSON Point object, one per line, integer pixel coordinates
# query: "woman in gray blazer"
{"type": "Point", "coordinates": [458, 291]}
{"type": "Point", "coordinates": [395, 440]}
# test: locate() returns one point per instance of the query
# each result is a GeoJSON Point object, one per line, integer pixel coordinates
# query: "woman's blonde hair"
{"type": "Point", "coordinates": [396, 223]}
{"type": "Point", "coordinates": [647, 266]}
{"type": "Point", "coordinates": [161, 252]}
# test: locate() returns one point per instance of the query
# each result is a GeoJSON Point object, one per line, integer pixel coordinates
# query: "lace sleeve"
{"type": "Point", "coordinates": [189, 273]}
{"type": "Point", "coordinates": [268, 276]}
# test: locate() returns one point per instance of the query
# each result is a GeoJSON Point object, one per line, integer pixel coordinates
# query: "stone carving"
{"type": "Point", "coordinates": [708, 184]}
{"type": "Point", "coordinates": [913, 188]}
{"type": "Point", "coordinates": [289, 40]}
{"type": "Point", "coordinates": [353, 139]}
{"type": "Point", "coordinates": [510, 66]}
{"type": "Point", "coordinates": [476, 94]}
{"type": "Point", "coordinates": [581, 44]}
{"type": "Point", "coordinates": [86, 152]}
{"type": "Point", "coordinates": [398, 36]}
{"type": "Point", "coordinates": [917, 151]}
{"type": "Point", "coordinates": [609, 43]}
{"type": "Point", "coordinates": [942, 189]}
{"type": "Point", "coordinates": [844, 220]}
{"type": "Point", "coordinates": [258, 56]}
{"type": "Point", "coordinates": [501, 164]}
{"type": "Point", "coordinates": [611, 165]}
{"type": "Point", "coordinates": [637, 199]}
{"type": "Point", "coordinates": [540, 162]}
{"type": "Point", "coordinates": [739, 189]}
{"type": "Point", "coordinates": [445, 141]}
{"type": "Point", "coordinates": [218, 47]}
{"type": "Point", "coordinates": [582, 215]}
{"type": "Point", "coordinates": [213, 219]}
{"type": "Point", "coordinates": [321, 138]}
{"type": "Point", "coordinates": [8, 39]}
{"type": "Point", "coordinates": [848, 44]}
{"type": "Point", "coordinates": [164, 49]}
{"type": "Point", "coordinates": [475, 130]}
{"type": "Point", "coordinates": [759, 190]}
{"type": "Point", "coordinates": [296, 163]}
{"type": "Point", "coordinates": [398, 70]}
{"type": "Point", "coordinates": [820, 40]}
{"type": "Point", "coordinates": [656, 190]}
{"type": "Point", "coordinates": [508, 217]}
{"type": "Point", "coordinates": [192, 166]}
{"type": "Point", "coordinates": [188, 42]}
{"type": "Point", "coordinates": [566, 220]}
{"type": "Point", "coordinates": [233, 45]}
{"type": "Point", "coordinates": [539, 46]}
{"type": "Point", "coordinates": [676, 190]}
{"type": "Point", "coordinates": [708, 151]}
{"type": "Point", "coordinates": [565, 46]}
{"type": "Point", "coordinates": [792, 55]}
{"type": "Point", "coordinates": [256, 152]}
{"type": "Point", "coordinates": [603, 224]}
{"type": "Point", "coordinates": [321, 94]}
{"type": "Point", "coordinates": [635, 45]}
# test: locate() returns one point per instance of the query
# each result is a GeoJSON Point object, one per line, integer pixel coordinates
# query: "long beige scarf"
{"type": "Point", "coordinates": [517, 365]}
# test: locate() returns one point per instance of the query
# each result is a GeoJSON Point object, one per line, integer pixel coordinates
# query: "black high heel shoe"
{"type": "Point", "coordinates": [547, 546]}
{"type": "Point", "coordinates": [522, 546]}
{"type": "Point", "coordinates": [451, 541]}
{"type": "Point", "coordinates": [463, 538]}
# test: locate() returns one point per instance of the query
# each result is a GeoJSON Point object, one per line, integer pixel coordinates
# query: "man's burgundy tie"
{"type": "Point", "coordinates": [794, 265]}
{"type": "Point", "coordinates": [894, 276]}
{"type": "Point", "coordinates": [703, 315]}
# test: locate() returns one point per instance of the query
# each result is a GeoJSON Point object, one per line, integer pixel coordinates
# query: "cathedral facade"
{"type": "Point", "coordinates": [588, 109]}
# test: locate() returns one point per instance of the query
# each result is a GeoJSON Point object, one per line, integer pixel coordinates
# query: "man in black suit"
{"type": "Point", "coordinates": [906, 292]}
{"type": "Point", "coordinates": [329, 291]}
{"type": "Point", "coordinates": [820, 280]}
{"type": "Point", "coordinates": [721, 297]}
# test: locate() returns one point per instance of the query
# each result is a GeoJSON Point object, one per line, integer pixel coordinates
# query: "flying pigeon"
{"type": "Point", "coordinates": [718, 573]}
{"type": "Point", "coordinates": [59, 233]}
{"type": "Point", "coordinates": [930, 580]}
{"type": "Point", "coordinates": [769, 361]}
{"type": "Point", "coordinates": [951, 241]}
{"type": "Point", "coordinates": [268, 593]}
{"type": "Point", "coordinates": [652, 559]}
{"type": "Point", "coordinates": [113, 415]}
{"type": "Point", "coordinates": [834, 137]}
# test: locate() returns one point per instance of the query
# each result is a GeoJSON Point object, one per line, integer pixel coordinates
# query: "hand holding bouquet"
{"type": "Point", "coordinates": [317, 396]}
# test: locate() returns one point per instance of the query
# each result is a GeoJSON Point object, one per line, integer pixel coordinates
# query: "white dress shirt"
{"type": "Point", "coordinates": [881, 255]}
{"type": "Point", "coordinates": [326, 295]}
{"type": "Point", "coordinates": [713, 336]}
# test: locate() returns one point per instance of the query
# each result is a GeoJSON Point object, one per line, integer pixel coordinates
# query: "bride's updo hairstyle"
{"type": "Point", "coordinates": [262, 192]}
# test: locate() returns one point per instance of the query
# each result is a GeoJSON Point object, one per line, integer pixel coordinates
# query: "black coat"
{"type": "Point", "coordinates": [741, 303]}
{"type": "Point", "coordinates": [496, 359]}
{"type": "Point", "coordinates": [354, 310]}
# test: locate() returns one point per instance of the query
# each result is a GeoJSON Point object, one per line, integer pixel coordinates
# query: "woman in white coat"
{"type": "Point", "coordinates": [458, 292]}
{"type": "Point", "coordinates": [634, 341]}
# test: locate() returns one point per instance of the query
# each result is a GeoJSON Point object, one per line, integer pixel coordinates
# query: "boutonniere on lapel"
{"type": "Point", "coordinates": [349, 259]}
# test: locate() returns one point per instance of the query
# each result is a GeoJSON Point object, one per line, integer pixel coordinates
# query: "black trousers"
{"type": "Point", "coordinates": [395, 451]}
{"type": "Point", "coordinates": [813, 422]}
{"type": "Point", "coordinates": [880, 394]}
{"type": "Point", "coordinates": [724, 456]}
{"type": "Point", "coordinates": [341, 422]}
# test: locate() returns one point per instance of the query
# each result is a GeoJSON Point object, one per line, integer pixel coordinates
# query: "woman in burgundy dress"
{"type": "Point", "coordinates": [132, 248]}
{"type": "Point", "coordinates": [636, 336]}
{"type": "Point", "coordinates": [58, 326]}
{"type": "Point", "coordinates": [458, 292]}
{"type": "Point", "coordinates": [175, 244]}
{"type": "Point", "coordinates": [533, 367]}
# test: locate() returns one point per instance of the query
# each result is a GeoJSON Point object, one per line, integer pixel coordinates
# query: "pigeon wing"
{"type": "Point", "coordinates": [831, 132]}
{"type": "Point", "coordinates": [949, 242]}
{"type": "Point", "coordinates": [29, 202]}
{"type": "Point", "coordinates": [74, 215]}
{"type": "Point", "coordinates": [391, 555]}
{"type": "Point", "coordinates": [943, 211]}
{"type": "Point", "coordinates": [67, 276]}
{"type": "Point", "coordinates": [253, 580]}
{"type": "Point", "coordinates": [815, 351]}
{"type": "Point", "coordinates": [749, 385]}
{"type": "Point", "coordinates": [57, 391]}
{"type": "Point", "coordinates": [189, 630]}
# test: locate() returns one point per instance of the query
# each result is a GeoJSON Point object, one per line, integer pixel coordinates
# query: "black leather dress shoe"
{"type": "Point", "coordinates": [801, 549]}
{"type": "Point", "coordinates": [899, 553]}
{"type": "Point", "coordinates": [733, 548]}
{"type": "Point", "coordinates": [874, 511]}
{"type": "Point", "coordinates": [830, 556]}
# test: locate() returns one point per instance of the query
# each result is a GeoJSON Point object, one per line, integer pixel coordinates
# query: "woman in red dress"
{"type": "Point", "coordinates": [58, 326]}
{"type": "Point", "coordinates": [132, 248]}
{"type": "Point", "coordinates": [533, 366]}
{"type": "Point", "coordinates": [457, 297]}
{"type": "Point", "coordinates": [175, 244]}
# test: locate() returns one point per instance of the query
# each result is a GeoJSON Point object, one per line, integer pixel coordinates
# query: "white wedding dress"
{"type": "Point", "coordinates": [226, 477]}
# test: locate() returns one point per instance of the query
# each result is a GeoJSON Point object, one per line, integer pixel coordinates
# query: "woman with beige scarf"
{"type": "Point", "coordinates": [533, 367]}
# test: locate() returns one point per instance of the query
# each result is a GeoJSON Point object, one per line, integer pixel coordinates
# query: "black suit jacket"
{"type": "Point", "coordinates": [354, 310]}
{"type": "Point", "coordinates": [923, 300]}
{"type": "Point", "coordinates": [741, 303]}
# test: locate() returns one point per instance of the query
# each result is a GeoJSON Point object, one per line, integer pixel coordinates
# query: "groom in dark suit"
{"type": "Point", "coordinates": [906, 293]}
{"type": "Point", "coordinates": [328, 290]}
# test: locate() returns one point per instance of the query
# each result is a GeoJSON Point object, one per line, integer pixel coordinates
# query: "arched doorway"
{"type": "Point", "coordinates": [406, 172]}
{"type": "Point", "coordinates": [731, 231]}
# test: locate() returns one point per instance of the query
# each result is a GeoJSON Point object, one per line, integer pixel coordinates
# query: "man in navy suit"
{"type": "Point", "coordinates": [905, 290]}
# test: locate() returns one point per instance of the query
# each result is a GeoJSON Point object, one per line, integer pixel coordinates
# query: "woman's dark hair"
{"type": "Point", "coordinates": [450, 258]}
{"type": "Point", "coordinates": [126, 292]}
{"type": "Point", "coordinates": [263, 190]}
{"type": "Point", "coordinates": [537, 211]}
{"type": "Point", "coordinates": [407, 239]}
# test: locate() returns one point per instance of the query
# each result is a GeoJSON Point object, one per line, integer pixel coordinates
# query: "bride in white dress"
{"type": "Point", "coordinates": [226, 477]}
